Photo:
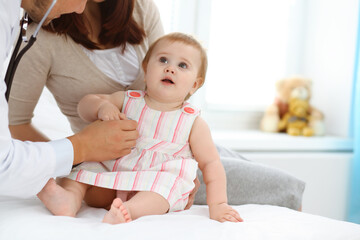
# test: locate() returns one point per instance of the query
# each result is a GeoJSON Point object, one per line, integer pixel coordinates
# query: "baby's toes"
{"type": "Point", "coordinates": [125, 214]}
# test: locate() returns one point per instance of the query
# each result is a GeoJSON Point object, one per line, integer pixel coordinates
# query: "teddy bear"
{"type": "Point", "coordinates": [299, 89]}
{"type": "Point", "coordinates": [296, 120]}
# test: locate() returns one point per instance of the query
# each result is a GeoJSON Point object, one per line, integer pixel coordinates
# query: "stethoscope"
{"type": "Point", "coordinates": [15, 57]}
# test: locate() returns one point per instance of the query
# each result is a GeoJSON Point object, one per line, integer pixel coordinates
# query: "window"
{"type": "Point", "coordinates": [253, 43]}
{"type": "Point", "coordinates": [250, 44]}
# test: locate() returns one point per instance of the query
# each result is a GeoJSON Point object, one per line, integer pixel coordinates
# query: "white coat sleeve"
{"type": "Point", "coordinates": [25, 167]}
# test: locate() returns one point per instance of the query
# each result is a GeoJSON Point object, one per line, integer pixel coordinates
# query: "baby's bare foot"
{"type": "Point", "coordinates": [59, 201]}
{"type": "Point", "coordinates": [117, 213]}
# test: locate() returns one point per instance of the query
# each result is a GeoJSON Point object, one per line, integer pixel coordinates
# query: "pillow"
{"type": "Point", "coordinates": [254, 183]}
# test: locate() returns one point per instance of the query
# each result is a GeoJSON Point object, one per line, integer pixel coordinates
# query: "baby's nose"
{"type": "Point", "coordinates": [170, 71]}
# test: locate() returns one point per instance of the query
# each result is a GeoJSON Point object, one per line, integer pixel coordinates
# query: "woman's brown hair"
{"type": "Point", "coordinates": [118, 26]}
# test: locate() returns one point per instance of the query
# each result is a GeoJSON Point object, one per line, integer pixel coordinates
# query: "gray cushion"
{"type": "Point", "coordinates": [249, 182]}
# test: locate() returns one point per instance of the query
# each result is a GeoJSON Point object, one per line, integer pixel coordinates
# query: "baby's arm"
{"type": "Point", "coordinates": [206, 155]}
{"type": "Point", "coordinates": [102, 106]}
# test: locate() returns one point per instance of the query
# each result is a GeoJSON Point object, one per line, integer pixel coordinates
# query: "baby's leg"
{"type": "Point", "coordinates": [141, 204]}
{"type": "Point", "coordinates": [63, 199]}
{"type": "Point", "coordinates": [147, 203]}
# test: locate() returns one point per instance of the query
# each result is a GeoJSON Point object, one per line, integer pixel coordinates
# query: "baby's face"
{"type": "Point", "coordinates": [172, 70]}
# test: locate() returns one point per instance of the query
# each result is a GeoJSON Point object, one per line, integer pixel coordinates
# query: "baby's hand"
{"type": "Point", "coordinates": [223, 212]}
{"type": "Point", "coordinates": [108, 111]}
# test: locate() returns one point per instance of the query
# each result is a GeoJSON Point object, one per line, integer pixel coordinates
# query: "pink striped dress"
{"type": "Point", "coordinates": [161, 162]}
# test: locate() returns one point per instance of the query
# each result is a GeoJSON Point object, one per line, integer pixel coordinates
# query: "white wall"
{"type": "Point", "coordinates": [330, 41]}
{"type": "Point", "coordinates": [326, 176]}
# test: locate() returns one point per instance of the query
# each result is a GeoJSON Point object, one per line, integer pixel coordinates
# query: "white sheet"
{"type": "Point", "coordinates": [29, 219]}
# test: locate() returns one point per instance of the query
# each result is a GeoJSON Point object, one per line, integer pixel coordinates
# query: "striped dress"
{"type": "Point", "coordinates": [161, 162]}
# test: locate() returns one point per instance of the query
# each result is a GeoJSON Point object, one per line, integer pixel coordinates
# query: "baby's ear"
{"type": "Point", "coordinates": [200, 82]}
{"type": "Point", "coordinates": [197, 84]}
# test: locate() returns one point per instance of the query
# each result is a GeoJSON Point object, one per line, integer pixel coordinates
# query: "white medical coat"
{"type": "Point", "coordinates": [25, 167]}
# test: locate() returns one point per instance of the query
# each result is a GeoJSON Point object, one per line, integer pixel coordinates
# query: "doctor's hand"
{"type": "Point", "coordinates": [104, 140]}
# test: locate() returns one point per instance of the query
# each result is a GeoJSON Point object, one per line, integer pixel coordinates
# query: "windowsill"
{"type": "Point", "coordinates": [253, 140]}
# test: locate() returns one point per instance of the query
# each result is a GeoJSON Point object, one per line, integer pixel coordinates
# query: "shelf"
{"type": "Point", "coordinates": [253, 140]}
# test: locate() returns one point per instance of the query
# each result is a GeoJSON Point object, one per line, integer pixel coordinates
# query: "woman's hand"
{"type": "Point", "coordinates": [108, 111]}
{"type": "Point", "coordinates": [224, 213]}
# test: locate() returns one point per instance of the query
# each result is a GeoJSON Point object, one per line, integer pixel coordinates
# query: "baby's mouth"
{"type": "Point", "coordinates": [167, 80]}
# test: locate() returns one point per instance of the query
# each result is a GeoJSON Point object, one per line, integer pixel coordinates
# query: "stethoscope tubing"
{"type": "Point", "coordinates": [15, 57]}
{"type": "Point", "coordinates": [14, 62]}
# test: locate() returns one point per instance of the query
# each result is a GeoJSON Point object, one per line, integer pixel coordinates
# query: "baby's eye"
{"type": "Point", "coordinates": [183, 65]}
{"type": "Point", "coordinates": [163, 60]}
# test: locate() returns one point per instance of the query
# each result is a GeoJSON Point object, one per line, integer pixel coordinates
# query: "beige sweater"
{"type": "Point", "coordinates": [60, 64]}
